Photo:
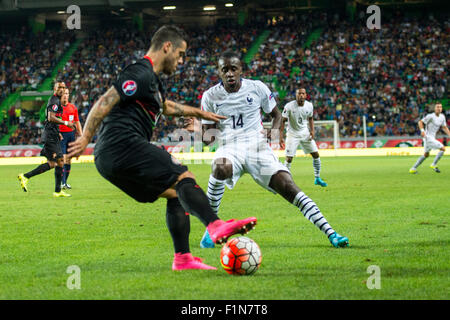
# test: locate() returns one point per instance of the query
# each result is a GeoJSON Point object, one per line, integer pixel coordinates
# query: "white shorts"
{"type": "Point", "coordinates": [307, 144]}
{"type": "Point", "coordinates": [257, 159]}
{"type": "Point", "coordinates": [430, 143]}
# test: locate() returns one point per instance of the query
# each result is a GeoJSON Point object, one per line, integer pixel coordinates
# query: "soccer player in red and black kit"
{"type": "Point", "coordinates": [70, 113]}
{"type": "Point", "coordinates": [125, 156]}
{"type": "Point", "coordinates": [51, 139]}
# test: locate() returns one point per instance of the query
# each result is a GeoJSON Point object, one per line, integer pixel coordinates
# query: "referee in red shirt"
{"type": "Point", "coordinates": [70, 113]}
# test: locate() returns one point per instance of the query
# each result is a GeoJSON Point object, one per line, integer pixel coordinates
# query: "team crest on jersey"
{"type": "Point", "coordinates": [249, 99]}
{"type": "Point", "coordinates": [129, 87]}
{"type": "Point", "coordinates": [55, 107]}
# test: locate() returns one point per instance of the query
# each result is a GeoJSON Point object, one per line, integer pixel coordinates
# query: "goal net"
{"type": "Point", "coordinates": [327, 134]}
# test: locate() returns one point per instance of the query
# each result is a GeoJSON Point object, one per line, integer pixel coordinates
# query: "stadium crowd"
{"type": "Point", "coordinates": [26, 59]}
{"type": "Point", "coordinates": [389, 76]}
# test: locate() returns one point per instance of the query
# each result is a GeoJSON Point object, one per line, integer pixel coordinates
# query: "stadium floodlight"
{"type": "Point", "coordinates": [60, 12]}
{"type": "Point", "coordinates": [229, 5]}
{"type": "Point", "coordinates": [169, 7]}
{"type": "Point", "coordinates": [209, 8]}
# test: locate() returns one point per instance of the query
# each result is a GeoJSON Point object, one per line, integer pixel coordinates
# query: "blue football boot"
{"type": "Point", "coordinates": [320, 182]}
{"type": "Point", "coordinates": [338, 241]}
{"type": "Point", "coordinates": [206, 241]}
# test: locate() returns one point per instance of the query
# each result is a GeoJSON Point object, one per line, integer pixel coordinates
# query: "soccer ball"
{"type": "Point", "coordinates": [240, 256]}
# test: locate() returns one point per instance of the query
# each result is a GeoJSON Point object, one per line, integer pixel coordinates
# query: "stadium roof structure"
{"type": "Point", "coordinates": [15, 11]}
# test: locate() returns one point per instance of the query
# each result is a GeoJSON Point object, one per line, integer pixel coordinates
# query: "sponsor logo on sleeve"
{"type": "Point", "coordinates": [55, 107]}
{"type": "Point", "coordinates": [129, 87]}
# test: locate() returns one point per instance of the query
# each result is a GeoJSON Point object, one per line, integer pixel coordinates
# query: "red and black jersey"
{"type": "Point", "coordinates": [141, 100]}
{"type": "Point", "coordinates": [53, 105]}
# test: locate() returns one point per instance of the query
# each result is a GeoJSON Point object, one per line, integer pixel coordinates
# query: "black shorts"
{"type": "Point", "coordinates": [139, 168]}
{"type": "Point", "coordinates": [67, 137]}
{"type": "Point", "coordinates": [52, 149]}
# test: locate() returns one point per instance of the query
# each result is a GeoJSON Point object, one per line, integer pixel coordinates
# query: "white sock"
{"type": "Point", "coordinates": [419, 162]}
{"type": "Point", "coordinates": [216, 189]}
{"type": "Point", "coordinates": [438, 157]}
{"type": "Point", "coordinates": [312, 213]}
{"type": "Point", "coordinates": [316, 166]}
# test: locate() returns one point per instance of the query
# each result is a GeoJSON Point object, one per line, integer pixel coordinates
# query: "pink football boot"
{"type": "Point", "coordinates": [185, 261]}
{"type": "Point", "coordinates": [220, 230]}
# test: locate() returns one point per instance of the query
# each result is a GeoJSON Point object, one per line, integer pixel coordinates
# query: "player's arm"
{"type": "Point", "coordinates": [422, 128]}
{"type": "Point", "coordinates": [98, 112]}
{"type": "Point", "coordinates": [209, 137]}
{"type": "Point", "coordinates": [446, 130]}
{"type": "Point", "coordinates": [176, 109]}
{"type": "Point", "coordinates": [51, 117]}
{"type": "Point", "coordinates": [311, 128]}
{"type": "Point", "coordinates": [78, 128]}
{"type": "Point", "coordinates": [277, 121]}
{"type": "Point", "coordinates": [283, 123]}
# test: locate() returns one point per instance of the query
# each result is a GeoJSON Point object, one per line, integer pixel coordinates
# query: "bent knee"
{"type": "Point", "coordinates": [222, 169]}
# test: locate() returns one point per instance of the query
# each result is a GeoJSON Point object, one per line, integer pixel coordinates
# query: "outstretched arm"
{"type": "Point", "coordinates": [98, 112]}
{"type": "Point", "coordinates": [176, 109]}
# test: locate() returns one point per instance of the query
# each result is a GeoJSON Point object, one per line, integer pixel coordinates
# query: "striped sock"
{"type": "Point", "coordinates": [316, 166]}
{"type": "Point", "coordinates": [216, 189]}
{"type": "Point", "coordinates": [438, 157]}
{"type": "Point", "coordinates": [419, 162]}
{"type": "Point", "coordinates": [312, 213]}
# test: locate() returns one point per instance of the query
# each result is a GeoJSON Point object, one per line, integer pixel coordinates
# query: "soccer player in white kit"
{"type": "Point", "coordinates": [243, 147]}
{"type": "Point", "coordinates": [299, 113]}
{"type": "Point", "coordinates": [433, 122]}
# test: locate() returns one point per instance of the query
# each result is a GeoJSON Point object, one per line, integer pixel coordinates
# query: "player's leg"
{"type": "Point", "coordinates": [50, 164]}
{"type": "Point", "coordinates": [291, 149]}
{"type": "Point", "coordinates": [438, 156]}
{"type": "Point", "coordinates": [419, 162]}
{"type": "Point", "coordinates": [283, 183]}
{"type": "Point", "coordinates": [66, 171]}
{"type": "Point", "coordinates": [317, 167]}
{"type": "Point", "coordinates": [427, 148]}
{"type": "Point", "coordinates": [222, 169]}
{"type": "Point", "coordinates": [68, 138]}
{"type": "Point", "coordinates": [178, 223]}
{"type": "Point", "coordinates": [58, 178]}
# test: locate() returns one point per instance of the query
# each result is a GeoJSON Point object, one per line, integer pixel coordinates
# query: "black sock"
{"type": "Point", "coordinates": [66, 173]}
{"type": "Point", "coordinates": [58, 178]}
{"type": "Point", "coordinates": [40, 169]}
{"type": "Point", "coordinates": [178, 224]}
{"type": "Point", "coordinates": [194, 201]}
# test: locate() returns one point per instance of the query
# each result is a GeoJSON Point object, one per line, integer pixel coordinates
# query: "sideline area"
{"type": "Point", "coordinates": [199, 157]}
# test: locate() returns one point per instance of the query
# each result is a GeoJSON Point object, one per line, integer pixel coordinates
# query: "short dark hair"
{"type": "Point", "coordinates": [168, 33]}
{"type": "Point", "coordinates": [229, 54]}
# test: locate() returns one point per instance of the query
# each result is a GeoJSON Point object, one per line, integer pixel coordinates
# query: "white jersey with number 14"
{"type": "Point", "coordinates": [242, 109]}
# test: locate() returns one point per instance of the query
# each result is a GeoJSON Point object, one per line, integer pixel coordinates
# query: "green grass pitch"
{"type": "Point", "coordinates": [394, 220]}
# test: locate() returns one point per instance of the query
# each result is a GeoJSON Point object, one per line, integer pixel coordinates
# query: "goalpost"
{"type": "Point", "coordinates": [327, 131]}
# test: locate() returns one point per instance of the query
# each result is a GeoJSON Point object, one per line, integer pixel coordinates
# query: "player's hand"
{"type": "Point", "coordinates": [211, 116]}
{"type": "Point", "coordinates": [282, 144]}
{"type": "Point", "coordinates": [312, 135]}
{"type": "Point", "coordinates": [188, 124]}
{"type": "Point", "coordinates": [423, 134]}
{"type": "Point", "coordinates": [61, 137]}
{"type": "Point", "coordinates": [71, 125]}
{"type": "Point", "coordinates": [77, 147]}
